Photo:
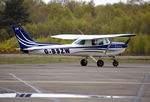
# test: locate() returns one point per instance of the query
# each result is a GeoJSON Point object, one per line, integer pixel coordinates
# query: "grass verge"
{"type": "Point", "coordinates": [65, 59]}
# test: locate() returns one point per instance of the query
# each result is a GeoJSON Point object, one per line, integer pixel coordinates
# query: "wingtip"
{"type": "Point", "coordinates": [133, 34]}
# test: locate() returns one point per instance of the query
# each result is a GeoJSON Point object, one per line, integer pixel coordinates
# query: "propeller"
{"type": "Point", "coordinates": [127, 41]}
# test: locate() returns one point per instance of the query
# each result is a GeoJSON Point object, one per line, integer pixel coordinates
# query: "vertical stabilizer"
{"type": "Point", "coordinates": [24, 39]}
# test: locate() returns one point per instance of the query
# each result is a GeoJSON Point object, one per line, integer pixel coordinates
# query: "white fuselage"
{"type": "Point", "coordinates": [77, 50]}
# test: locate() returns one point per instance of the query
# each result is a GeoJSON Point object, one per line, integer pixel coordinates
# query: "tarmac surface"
{"type": "Point", "coordinates": [130, 82]}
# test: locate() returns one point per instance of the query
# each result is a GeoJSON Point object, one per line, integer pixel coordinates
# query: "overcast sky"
{"type": "Point", "coordinates": [100, 2]}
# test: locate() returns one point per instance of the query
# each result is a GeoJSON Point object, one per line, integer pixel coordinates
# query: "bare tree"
{"type": "Point", "coordinates": [135, 1]}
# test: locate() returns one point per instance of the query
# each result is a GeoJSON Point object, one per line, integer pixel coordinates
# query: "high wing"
{"type": "Point", "coordinates": [89, 37]}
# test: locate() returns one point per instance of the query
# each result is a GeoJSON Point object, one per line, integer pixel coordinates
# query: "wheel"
{"type": "Point", "coordinates": [115, 63]}
{"type": "Point", "coordinates": [100, 63]}
{"type": "Point", "coordinates": [84, 62]}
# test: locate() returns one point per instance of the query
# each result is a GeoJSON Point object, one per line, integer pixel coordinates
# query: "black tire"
{"type": "Point", "coordinates": [100, 63]}
{"type": "Point", "coordinates": [84, 62]}
{"type": "Point", "coordinates": [115, 63]}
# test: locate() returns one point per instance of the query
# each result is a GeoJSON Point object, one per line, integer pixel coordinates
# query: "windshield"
{"type": "Point", "coordinates": [79, 42]}
{"type": "Point", "coordinates": [107, 41]}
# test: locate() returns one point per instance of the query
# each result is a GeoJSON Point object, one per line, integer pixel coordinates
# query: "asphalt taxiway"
{"type": "Point", "coordinates": [130, 82]}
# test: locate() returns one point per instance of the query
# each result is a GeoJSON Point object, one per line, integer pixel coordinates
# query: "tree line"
{"type": "Point", "coordinates": [69, 16]}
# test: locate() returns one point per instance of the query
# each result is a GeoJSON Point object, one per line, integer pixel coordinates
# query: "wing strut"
{"type": "Point", "coordinates": [108, 46]}
{"type": "Point", "coordinates": [93, 58]}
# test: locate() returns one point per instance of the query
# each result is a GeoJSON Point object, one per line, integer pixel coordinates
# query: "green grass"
{"type": "Point", "coordinates": [36, 60]}
{"type": "Point", "coordinates": [63, 59]}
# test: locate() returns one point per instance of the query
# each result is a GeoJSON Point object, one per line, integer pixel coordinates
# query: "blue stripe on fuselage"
{"type": "Point", "coordinates": [113, 45]}
{"type": "Point", "coordinates": [118, 45]}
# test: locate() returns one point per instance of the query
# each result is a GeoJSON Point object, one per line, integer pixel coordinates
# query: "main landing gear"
{"type": "Point", "coordinates": [100, 63]}
{"type": "Point", "coordinates": [84, 62]}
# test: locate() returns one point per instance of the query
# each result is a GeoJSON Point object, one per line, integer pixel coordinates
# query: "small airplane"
{"type": "Point", "coordinates": [84, 45]}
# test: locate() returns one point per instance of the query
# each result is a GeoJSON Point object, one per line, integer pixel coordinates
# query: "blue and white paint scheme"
{"type": "Point", "coordinates": [84, 45]}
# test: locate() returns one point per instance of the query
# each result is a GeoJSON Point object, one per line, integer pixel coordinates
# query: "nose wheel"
{"type": "Point", "coordinates": [115, 63]}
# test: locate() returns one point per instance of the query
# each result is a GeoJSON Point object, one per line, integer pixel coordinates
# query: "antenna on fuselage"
{"type": "Point", "coordinates": [80, 31]}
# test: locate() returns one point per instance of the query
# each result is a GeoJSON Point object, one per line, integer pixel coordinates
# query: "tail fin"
{"type": "Point", "coordinates": [24, 39]}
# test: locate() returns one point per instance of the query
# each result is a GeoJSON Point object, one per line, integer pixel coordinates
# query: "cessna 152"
{"type": "Point", "coordinates": [84, 45]}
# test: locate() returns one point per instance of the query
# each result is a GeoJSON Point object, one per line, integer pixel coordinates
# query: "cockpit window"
{"type": "Point", "coordinates": [79, 42]}
{"type": "Point", "coordinates": [97, 42]}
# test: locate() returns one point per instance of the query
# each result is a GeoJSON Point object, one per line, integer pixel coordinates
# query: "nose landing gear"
{"type": "Point", "coordinates": [115, 62]}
